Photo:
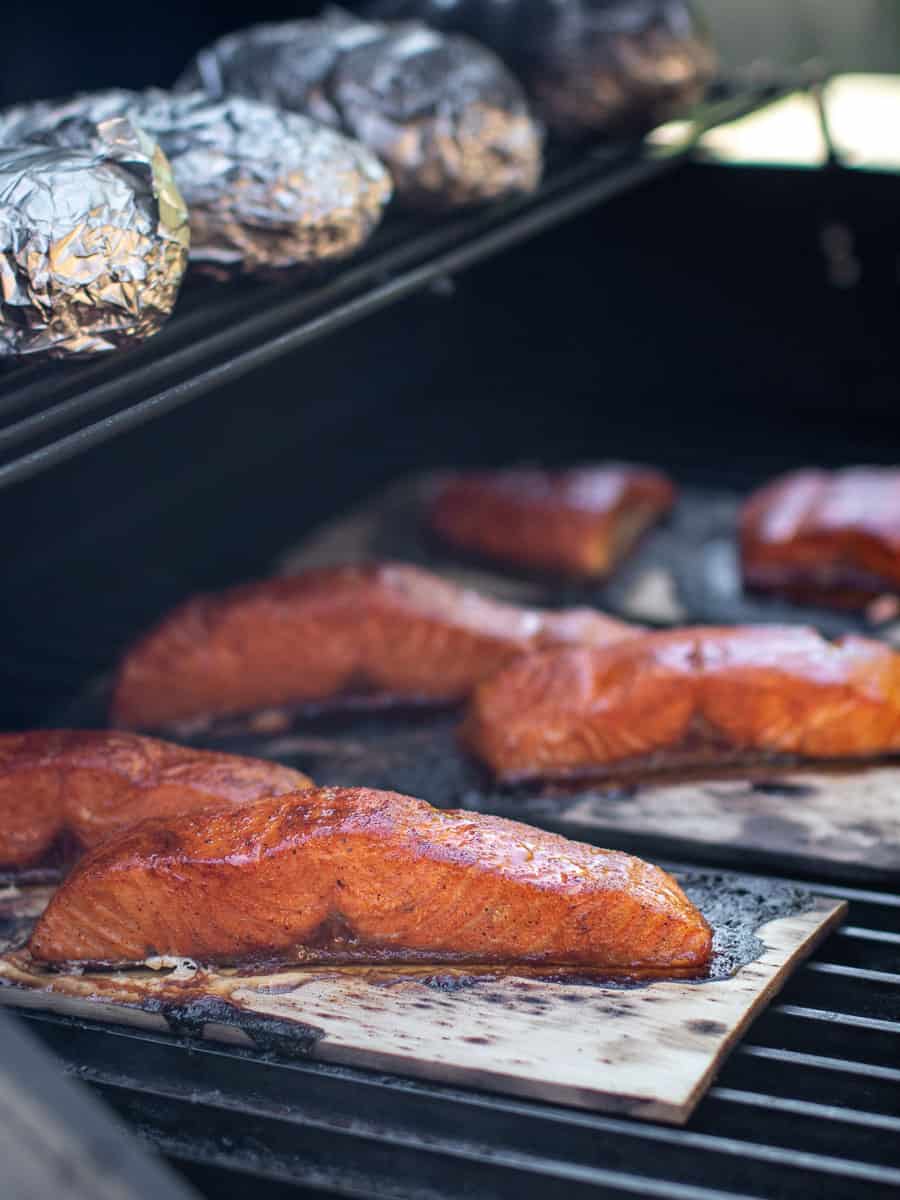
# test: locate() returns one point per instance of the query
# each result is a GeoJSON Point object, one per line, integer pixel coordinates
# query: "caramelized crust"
{"type": "Point", "coordinates": [689, 697]}
{"type": "Point", "coordinates": [385, 629]}
{"type": "Point", "coordinates": [346, 875]}
{"type": "Point", "coordinates": [580, 522]}
{"type": "Point", "coordinates": [62, 791]}
{"type": "Point", "coordinates": [827, 537]}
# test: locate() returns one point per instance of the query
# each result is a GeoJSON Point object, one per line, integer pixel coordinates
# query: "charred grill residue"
{"type": "Point", "coordinates": [270, 1035]}
{"type": "Point", "coordinates": [736, 909]}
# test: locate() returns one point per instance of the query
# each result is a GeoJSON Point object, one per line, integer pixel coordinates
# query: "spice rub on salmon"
{"type": "Point", "coordinates": [62, 791]}
{"type": "Point", "coordinates": [691, 697]}
{"type": "Point", "coordinates": [349, 875]}
{"type": "Point", "coordinates": [392, 630]}
{"type": "Point", "coordinates": [579, 522]}
{"type": "Point", "coordinates": [829, 537]}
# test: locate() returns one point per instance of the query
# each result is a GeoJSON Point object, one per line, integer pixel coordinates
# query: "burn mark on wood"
{"type": "Point", "coordinates": [451, 983]}
{"type": "Point", "coordinates": [707, 1028]}
{"type": "Point", "coordinates": [270, 1035]}
{"type": "Point", "coordinates": [784, 787]}
{"type": "Point", "coordinates": [277, 989]}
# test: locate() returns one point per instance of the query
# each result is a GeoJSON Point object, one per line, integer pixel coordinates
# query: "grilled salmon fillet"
{"type": "Point", "coordinates": [684, 698]}
{"type": "Point", "coordinates": [580, 522]}
{"type": "Point", "coordinates": [829, 537]}
{"type": "Point", "coordinates": [62, 791]}
{"type": "Point", "coordinates": [388, 629]}
{"type": "Point", "coordinates": [346, 875]}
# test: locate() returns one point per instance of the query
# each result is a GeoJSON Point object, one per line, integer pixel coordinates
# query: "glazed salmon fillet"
{"type": "Point", "coordinates": [687, 697]}
{"type": "Point", "coordinates": [386, 629]}
{"type": "Point", "coordinates": [828, 537]}
{"type": "Point", "coordinates": [579, 522]}
{"type": "Point", "coordinates": [62, 791]}
{"type": "Point", "coordinates": [349, 875]}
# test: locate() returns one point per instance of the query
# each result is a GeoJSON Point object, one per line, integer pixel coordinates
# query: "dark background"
{"type": "Point", "coordinates": [57, 46]}
{"type": "Point", "coordinates": [691, 324]}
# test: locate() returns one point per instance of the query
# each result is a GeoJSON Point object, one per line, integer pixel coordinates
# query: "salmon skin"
{"type": "Point", "coordinates": [827, 537]}
{"type": "Point", "coordinates": [580, 522]}
{"type": "Point", "coordinates": [350, 875]}
{"type": "Point", "coordinates": [386, 629]}
{"type": "Point", "coordinates": [62, 791]}
{"type": "Point", "coordinates": [687, 697]}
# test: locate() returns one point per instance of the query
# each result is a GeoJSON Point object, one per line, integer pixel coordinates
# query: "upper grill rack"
{"type": "Point", "coordinates": [49, 414]}
{"type": "Point", "coordinates": [808, 1105]}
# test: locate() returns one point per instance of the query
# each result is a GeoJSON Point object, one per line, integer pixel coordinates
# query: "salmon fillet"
{"type": "Point", "coordinates": [62, 791]}
{"type": "Point", "coordinates": [337, 631]}
{"type": "Point", "coordinates": [825, 537]}
{"type": "Point", "coordinates": [349, 875]}
{"type": "Point", "coordinates": [580, 522]}
{"type": "Point", "coordinates": [687, 697]}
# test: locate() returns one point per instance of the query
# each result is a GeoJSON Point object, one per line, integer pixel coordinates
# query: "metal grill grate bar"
{"type": "Point", "coordinates": [829, 968]}
{"type": "Point", "coordinates": [806, 1108]}
{"type": "Point", "coordinates": [622, 1132]}
{"type": "Point", "coordinates": [824, 1014]}
{"type": "Point", "coordinates": [822, 1062]}
{"type": "Point", "coordinates": [874, 935]}
{"type": "Point", "coordinates": [603, 1183]}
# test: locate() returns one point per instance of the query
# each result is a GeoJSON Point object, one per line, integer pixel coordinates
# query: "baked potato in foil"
{"type": "Point", "coordinates": [444, 114]}
{"type": "Point", "coordinates": [266, 189]}
{"type": "Point", "coordinates": [589, 66]}
{"type": "Point", "coordinates": [93, 245]}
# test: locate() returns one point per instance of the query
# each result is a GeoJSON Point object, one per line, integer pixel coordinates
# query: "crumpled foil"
{"type": "Point", "coordinates": [449, 120]}
{"type": "Point", "coordinates": [266, 189]}
{"type": "Point", "coordinates": [590, 66]}
{"type": "Point", "coordinates": [93, 245]}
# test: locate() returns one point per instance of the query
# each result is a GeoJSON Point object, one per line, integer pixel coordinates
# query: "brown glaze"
{"type": "Point", "coordinates": [65, 791]}
{"type": "Point", "coordinates": [688, 697]}
{"type": "Point", "coordinates": [344, 875]}
{"type": "Point", "coordinates": [827, 537]}
{"type": "Point", "coordinates": [580, 522]}
{"type": "Point", "coordinates": [334, 631]}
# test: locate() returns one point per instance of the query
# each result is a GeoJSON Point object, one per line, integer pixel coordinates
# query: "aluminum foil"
{"type": "Point", "coordinates": [443, 113]}
{"type": "Point", "coordinates": [93, 245]}
{"type": "Point", "coordinates": [266, 188]}
{"type": "Point", "coordinates": [589, 65]}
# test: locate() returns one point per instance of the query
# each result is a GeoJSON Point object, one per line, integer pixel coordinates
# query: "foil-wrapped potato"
{"type": "Point", "coordinates": [589, 66]}
{"type": "Point", "coordinates": [449, 120]}
{"type": "Point", "coordinates": [266, 188]}
{"type": "Point", "coordinates": [93, 245]}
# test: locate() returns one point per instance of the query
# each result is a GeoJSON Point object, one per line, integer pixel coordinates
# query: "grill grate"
{"type": "Point", "coordinates": [808, 1104]}
{"type": "Point", "coordinates": [49, 414]}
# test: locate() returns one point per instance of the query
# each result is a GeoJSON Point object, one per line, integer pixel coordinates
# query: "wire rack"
{"type": "Point", "coordinates": [51, 413]}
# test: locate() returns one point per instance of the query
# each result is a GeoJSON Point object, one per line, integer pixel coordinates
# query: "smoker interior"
{"type": "Point", "coordinates": [689, 323]}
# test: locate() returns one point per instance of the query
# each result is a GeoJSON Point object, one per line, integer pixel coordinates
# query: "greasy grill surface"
{"type": "Point", "coordinates": [808, 1104]}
